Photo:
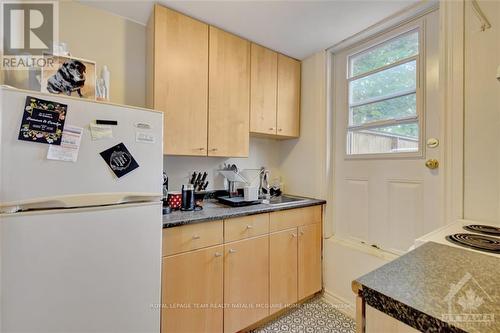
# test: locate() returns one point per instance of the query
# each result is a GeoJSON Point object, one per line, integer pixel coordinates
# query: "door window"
{"type": "Point", "coordinates": [383, 95]}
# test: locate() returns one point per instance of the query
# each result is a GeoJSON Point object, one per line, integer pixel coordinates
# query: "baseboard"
{"type": "Point", "coordinates": [340, 304]}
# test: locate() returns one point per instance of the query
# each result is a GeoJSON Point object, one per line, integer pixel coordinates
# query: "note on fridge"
{"type": "Point", "coordinates": [144, 137]}
{"type": "Point", "coordinates": [70, 145]}
{"type": "Point", "coordinates": [100, 132]}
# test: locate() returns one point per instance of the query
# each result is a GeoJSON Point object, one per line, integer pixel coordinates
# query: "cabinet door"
{"type": "Point", "coordinates": [282, 269]}
{"type": "Point", "coordinates": [288, 113]}
{"type": "Point", "coordinates": [246, 283]}
{"type": "Point", "coordinates": [229, 95]}
{"type": "Point", "coordinates": [263, 90]}
{"type": "Point", "coordinates": [191, 283]}
{"type": "Point", "coordinates": [181, 81]}
{"type": "Point", "coordinates": [309, 260]}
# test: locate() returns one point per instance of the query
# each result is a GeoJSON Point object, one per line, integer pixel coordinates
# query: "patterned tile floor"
{"type": "Point", "coordinates": [314, 316]}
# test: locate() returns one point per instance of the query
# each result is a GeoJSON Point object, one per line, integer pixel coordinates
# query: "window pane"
{"type": "Point", "coordinates": [385, 54]}
{"type": "Point", "coordinates": [395, 108]}
{"type": "Point", "coordinates": [390, 139]}
{"type": "Point", "coordinates": [393, 80]}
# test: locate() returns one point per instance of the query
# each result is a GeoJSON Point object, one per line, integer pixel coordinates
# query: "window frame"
{"type": "Point", "coordinates": [367, 45]}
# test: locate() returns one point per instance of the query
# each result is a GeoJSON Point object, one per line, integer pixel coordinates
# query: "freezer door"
{"type": "Point", "coordinates": [81, 270]}
{"type": "Point", "coordinates": [26, 174]}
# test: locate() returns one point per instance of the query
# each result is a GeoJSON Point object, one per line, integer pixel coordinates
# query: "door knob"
{"type": "Point", "coordinates": [432, 164]}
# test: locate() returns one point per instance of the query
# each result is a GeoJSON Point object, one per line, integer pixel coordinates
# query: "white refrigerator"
{"type": "Point", "coordinates": [80, 248]}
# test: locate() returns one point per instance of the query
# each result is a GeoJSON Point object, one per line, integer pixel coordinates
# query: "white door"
{"type": "Point", "coordinates": [386, 109]}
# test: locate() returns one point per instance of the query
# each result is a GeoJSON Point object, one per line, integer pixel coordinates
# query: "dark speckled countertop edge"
{"type": "Point", "coordinates": [406, 314]}
{"type": "Point", "coordinates": [182, 218]}
{"type": "Point", "coordinates": [385, 288]}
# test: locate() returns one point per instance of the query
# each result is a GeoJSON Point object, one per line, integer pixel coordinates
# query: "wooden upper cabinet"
{"type": "Point", "coordinates": [288, 110]}
{"type": "Point", "coordinates": [263, 90]}
{"type": "Point", "coordinates": [229, 95]}
{"type": "Point", "coordinates": [178, 67]}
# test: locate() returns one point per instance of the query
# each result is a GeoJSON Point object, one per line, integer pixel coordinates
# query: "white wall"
{"type": "Point", "coordinates": [107, 39]}
{"type": "Point", "coordinates": [482, 116]}
{"type": "Point", "coordinates": [342, 263]}
{"type": "Point", "coordinates": [263, 152]}
{"type": "Point", "coordinates": [303, 161]}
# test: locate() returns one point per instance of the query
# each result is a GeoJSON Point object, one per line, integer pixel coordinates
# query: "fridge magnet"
{"type": "Point", "coordinates": [70, 145]}
{"type": "Point", "coordinates": [43, 121]}
{"type": "Point", "coordinates": [119, 160]}
{"type": "Point", "coordinates": [69, 76]}
{"type": "Point", "coordinates": [100, 132]}
{"type": "Point", "coordinates": [144, 137]}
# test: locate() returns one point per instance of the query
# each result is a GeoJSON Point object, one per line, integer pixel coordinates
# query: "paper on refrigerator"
{"type": "Point", "coordinates": [101, 132]}
{"type": "Point", "coordinates": [70, 145]}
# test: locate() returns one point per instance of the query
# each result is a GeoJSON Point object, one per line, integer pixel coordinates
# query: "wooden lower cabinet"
{"type": "Point", "coordinates": [246, 283]}
{"type": "Point", "coordinates": [282, 269]}
{"type": "Point", "coordinates": [309, 260]}
{"type": "Point", "coordinates": [190, 282]}
{"type": "Point", "coordinates": [225, 276]}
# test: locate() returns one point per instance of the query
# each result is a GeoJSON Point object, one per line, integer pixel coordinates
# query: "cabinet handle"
{"type": "Point", "coordinates": [232, 251]}
{"type": "Point", "coordinates": [214, 149]}
{"type": "Point", "coordinates": [249, 226]}
{"type": "Point", "coordinates": [272, 128]}
{"type": "Point", "coordinates": [196, 237]}
{"type": "Point", "coordinates": [301, 233]}
{"type": "Point", "coordinates": [280, 130]}
{"type": "Point", "coordinates": [218, 254]}
{"type": "Point", "coordinates": [202, 148]}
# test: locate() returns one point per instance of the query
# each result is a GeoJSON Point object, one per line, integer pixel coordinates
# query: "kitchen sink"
{"type": "Point", "coordinates": [285, 199]}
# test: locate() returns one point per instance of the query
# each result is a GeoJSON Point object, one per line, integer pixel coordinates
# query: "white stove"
{"type": "Point", "coordinates": [467, 235]}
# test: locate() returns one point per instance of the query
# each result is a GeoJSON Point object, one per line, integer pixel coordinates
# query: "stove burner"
{"type": "Point", "coordinates": [483, 229]}
{"type": "Point", "coordinates": [477, 242]}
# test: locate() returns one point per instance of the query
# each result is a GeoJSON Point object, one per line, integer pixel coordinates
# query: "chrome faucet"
{"type": "Point", "coordinates": [264, 184]}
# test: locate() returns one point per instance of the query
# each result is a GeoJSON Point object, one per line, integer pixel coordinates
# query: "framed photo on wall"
{"type": "Point", "coordinates": [69, 76]}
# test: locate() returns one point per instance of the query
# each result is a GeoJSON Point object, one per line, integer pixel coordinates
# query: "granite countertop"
{"type": "Point", "coordinates": [437, 288]}
{"type": "Point", "coordinates": [212, 211]}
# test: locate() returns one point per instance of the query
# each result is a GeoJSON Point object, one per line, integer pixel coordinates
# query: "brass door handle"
{"type": "Point", "coordinates": [432, 164]}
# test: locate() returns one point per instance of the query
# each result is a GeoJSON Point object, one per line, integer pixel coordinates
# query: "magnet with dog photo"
{"type": "Point", "coordinates": [69, 76]}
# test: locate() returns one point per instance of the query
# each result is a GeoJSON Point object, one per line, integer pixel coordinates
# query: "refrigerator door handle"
{"type": "Point", "coordinates": [81, 200]}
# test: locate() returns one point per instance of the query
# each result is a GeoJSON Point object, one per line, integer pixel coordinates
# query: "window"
{"type": "Point", "coordinates": [383, 97]}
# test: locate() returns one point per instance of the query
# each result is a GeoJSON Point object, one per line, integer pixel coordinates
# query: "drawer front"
{"type": "Point", "coordinates": [245, 227]}
{"type": "Point", "coordinates": [191, 237]}
{"type": "Point", "coordinates": [286, 219]}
